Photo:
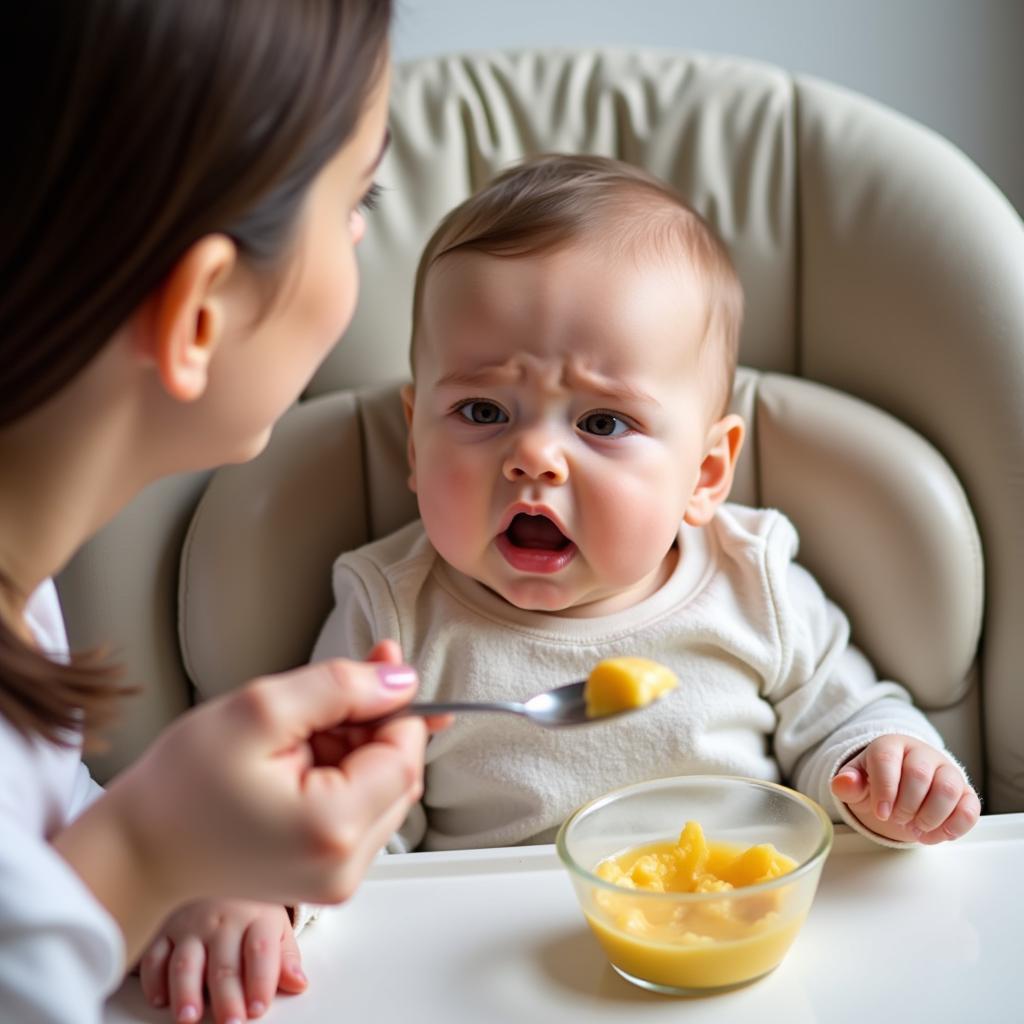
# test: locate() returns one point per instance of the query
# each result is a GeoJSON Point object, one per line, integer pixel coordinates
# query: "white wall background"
{"type": "Point", "coordinates": [955, 65]}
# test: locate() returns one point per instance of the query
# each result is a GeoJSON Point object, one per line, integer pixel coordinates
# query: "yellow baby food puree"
{"type": "Point", "coordinates": [706, 943]}
{"type": "Point", "coordinates": [616, 684]}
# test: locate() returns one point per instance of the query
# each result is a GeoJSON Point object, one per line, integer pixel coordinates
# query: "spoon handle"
{"type": "Point", "coordinates": [427, 708]}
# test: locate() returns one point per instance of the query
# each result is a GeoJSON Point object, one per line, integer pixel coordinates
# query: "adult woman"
{"type": "Point", "coordinates": [177, 258]}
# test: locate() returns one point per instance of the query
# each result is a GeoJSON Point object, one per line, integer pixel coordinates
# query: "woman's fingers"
{"type": "Point", "coordinates": [369, 781]}
{"type": "Point", "coordinates": [387, 651]}
{"type": "Point", "coordinates": [270, 812]}
{"type": "Point", "coordinates": [278, 712]}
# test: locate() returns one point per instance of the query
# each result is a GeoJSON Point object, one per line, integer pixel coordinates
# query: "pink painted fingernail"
{"type": "Point", "coordinates": [188, 1014]}
{"type": "Point", "coordinates": [397, 677]}
{"type": "Point", "coordinates": [884, 810]}
{"type": "Point", "coordinates": [256, 1008]}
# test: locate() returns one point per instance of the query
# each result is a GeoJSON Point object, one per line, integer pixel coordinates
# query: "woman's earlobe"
{"type": "Point", "coordinates": [189, 320]}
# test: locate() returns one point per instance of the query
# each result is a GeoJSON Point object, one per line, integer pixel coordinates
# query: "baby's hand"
{"type": "Point", "coordinates": [908, 791]}
{"type": "Point", "coordinates": [244, 952]}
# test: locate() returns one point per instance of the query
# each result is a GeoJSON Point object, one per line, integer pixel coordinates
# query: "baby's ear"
{"type": "Point", "coordinates": [725, 440]}
{"type": "Point", "coordinates": [408, 403]}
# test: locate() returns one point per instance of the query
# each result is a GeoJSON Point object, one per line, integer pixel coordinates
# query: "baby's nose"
{"type": "Point", "coordinates": [536, 455]}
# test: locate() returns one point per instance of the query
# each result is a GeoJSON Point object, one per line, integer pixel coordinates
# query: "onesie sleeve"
{"type": "Point", "coordinates": [351, 629]}
{"type": "Point", "coordinates": [61, 953]}
{"type": "Point", "coordinates": [828, 700]}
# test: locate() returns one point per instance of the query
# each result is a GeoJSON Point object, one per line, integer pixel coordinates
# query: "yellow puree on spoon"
{"type": "Point", "coordinates": [618, 684]}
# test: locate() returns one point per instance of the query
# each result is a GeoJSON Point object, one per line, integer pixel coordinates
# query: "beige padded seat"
{"type": "Point", "coordinates": [884, 369]}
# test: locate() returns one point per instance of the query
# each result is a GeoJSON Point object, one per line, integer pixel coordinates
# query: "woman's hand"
{"type": "Point", "coordinates": [241, 798]}
{"type": "Point", "coordinates": [242, 953]}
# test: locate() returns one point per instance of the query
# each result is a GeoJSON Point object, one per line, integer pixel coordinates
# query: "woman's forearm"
{"type": "Point", "coordinates": [105, 853]}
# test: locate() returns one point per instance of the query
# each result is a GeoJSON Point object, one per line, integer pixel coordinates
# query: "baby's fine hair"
{"type": "Point", "coordinates": [555, 200]}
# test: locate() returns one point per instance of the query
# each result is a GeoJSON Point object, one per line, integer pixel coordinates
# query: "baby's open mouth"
{"type": "Point", "coordinates": [533, 544]}
{"type": "Point", "coordinates": [537, 532]}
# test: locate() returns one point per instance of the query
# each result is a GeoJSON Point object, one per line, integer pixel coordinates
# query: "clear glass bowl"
{"type": "Point", "coordinates": [696, 943]}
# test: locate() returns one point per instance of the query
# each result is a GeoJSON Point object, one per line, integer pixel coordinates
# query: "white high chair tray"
{"type": "Point", "coordinates": [496, 935]}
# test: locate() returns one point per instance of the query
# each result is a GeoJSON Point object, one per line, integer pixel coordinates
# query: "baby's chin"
{"type": "Point", "coordinates": [533, 596]}
{"type": "Point", "coordinates": [545, 598]}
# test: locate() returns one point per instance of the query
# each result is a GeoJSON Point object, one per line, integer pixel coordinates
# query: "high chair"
{"type": "Point", "coordinates": [882, 381]}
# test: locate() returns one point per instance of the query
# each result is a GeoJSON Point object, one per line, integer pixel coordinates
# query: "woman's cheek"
{"type": "Point", "coordinates": [326, 297]}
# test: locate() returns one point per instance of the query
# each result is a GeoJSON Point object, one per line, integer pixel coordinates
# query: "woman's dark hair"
{"type": "Point", "coordinates": [134, 128]}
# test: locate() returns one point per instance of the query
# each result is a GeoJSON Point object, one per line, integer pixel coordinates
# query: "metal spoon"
{"type": "Point", "coordinates": [561, 706]}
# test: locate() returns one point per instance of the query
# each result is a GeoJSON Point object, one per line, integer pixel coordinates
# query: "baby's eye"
{"type": "Point", "coordinates": [479, 410]}
{"type": "Point", "coordinates": [603, 424]}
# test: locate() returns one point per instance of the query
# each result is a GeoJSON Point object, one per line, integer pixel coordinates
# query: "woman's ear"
{"type": "Point", "coordinates": [725, 440]}
{"type": "Point", "coordinates": [408, 404]}
{"type": "Point", "coordinates": [188, 316]}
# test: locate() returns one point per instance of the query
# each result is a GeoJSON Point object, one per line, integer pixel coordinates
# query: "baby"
{"type": "Point", "coordinates": [575, 332]}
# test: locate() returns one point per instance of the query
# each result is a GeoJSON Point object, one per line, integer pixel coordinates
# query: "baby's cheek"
{"type": "Point", "coordinates": [450, 500]}
{"type": "Point", "coordinates": [451, 483]}
{"type": "Point", "coordinates": [635, 532]}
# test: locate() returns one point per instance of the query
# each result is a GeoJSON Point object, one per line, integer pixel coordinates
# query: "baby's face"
{"type": "Point", "coordinates": [559, 422]}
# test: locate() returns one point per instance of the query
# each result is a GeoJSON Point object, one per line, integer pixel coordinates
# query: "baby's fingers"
{"type": "Point", "coordinates": [224, 975]}
{"type": "Point", "coordinates": [919, 771]}
{"type": "Point", "coordinates": [850, 784]}
{"type": "Point", "coordinates": [292, 978]}
{"type": "Point", "coordinates": [959, 823]}
{"type": "Point", "coordinates": [153, 971]}
{"type": "Point", "coordinates": [261, 956]}
{"type": "Point", "coordinates": [185, 979]}
{"type": "Point", "coordinates": [883, 761]}
{"type": "Point", "coordinates": [947, 786]}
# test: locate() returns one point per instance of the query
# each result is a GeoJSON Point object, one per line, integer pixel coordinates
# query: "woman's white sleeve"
{"type": "Point", "coordinates": [84, 792]}
{"type": "Point", "coordinates": [61, 953]}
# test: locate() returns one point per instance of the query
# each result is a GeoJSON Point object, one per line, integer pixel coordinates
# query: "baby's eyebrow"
{"type": "Point", "coordinates": [603, 387]}
{"type": "Point", "coordinates": [488, 375]}
{"type": "Point", "coordinates": [613, 389]}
